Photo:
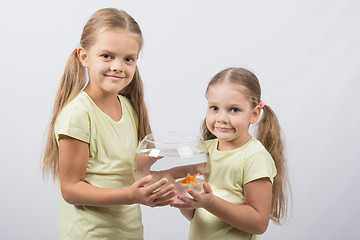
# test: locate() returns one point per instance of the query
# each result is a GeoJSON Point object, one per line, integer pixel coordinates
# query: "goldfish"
{"type": "Point", "coordinates": [189, 179]}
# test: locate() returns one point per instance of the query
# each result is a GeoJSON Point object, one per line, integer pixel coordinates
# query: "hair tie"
{"type": "Point", "coordinates": [262, 104]}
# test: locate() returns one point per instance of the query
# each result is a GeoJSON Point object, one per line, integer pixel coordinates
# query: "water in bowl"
{"type": "Point", "coordinates": [179, 157]}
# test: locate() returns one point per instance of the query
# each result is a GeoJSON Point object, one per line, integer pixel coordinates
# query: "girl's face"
{"type": "Point", "coordinates": [229, 115]}
{"type": "Point", "coordinates": [111, 61]}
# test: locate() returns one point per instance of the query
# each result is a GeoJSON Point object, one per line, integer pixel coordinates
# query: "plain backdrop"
{"type": "Point", "coordinates": [306, 55]}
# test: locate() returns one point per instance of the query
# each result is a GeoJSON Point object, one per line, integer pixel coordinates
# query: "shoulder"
{"type": "Point", "coordinates": [255, 145]}
{"type": "Point", "coordinates": [74, 120]}
{"type": "Point", "coordinates": [254, 148]}
{"type": "Point", "coordinates": [124, 99]}
{"type": "Point", "coordinates": [128, 107]}
{"type": "Point", "coordinates": [211, 144]}
{"type": "Point", "coordinates": [81, 102]}
{"type": "Point", "coordinates": [258, 162]}
{"type": "Point", "coordinates": [77, 110]}
{"type": "Point", "coordinates": [126, 104]}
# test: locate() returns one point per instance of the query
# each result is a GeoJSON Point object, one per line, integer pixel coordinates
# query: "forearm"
{"type": "Point", "coordinates": [73, 162]}
{"type": "Point", "coordinates": [188, 213]}
{"type": "Point", "coordinates": [82, 193]}
{"type": "Point", "coordinates": [243, 217]}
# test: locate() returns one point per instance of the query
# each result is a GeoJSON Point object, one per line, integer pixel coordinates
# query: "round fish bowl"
{"type": "Point", "coordinates": [180, 157]}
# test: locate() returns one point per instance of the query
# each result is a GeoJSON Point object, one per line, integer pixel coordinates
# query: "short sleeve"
{"type": "Point", "coordinates": [73, 122]}
{"type": "Point", "coordinates": [259, 165]}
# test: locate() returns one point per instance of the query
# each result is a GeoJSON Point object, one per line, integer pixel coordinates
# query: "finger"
{"type": "Point", "coordinates": [166, 197]}
{"type": "Point", "coordinates": [193, 193]}
{"type": "Point", "coordinates": [143, 181]}
{"type": "Point", "coordinates": [161, 204]}
{"type": "Point", "coordinates": [180, 205]}
{"type": "Point", "coordinates": [157, 185]}
{"type": "Point", "coordinates": [207, 188]}
{"type": "Point", "coordinates": [186, 200]}
{"type": "Point", "coordinates": [163, 191]}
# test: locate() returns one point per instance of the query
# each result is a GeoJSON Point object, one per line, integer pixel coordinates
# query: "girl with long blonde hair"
{"type": "Point", "coordinates": [94, 132]}
{"type": "Point", "coordinates": [246, 187]}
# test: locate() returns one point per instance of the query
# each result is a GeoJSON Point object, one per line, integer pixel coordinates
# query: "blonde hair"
{"type": "Point", "coordinates": [74, 80]}
{"type": "Point", "coordinates": [268, 133]}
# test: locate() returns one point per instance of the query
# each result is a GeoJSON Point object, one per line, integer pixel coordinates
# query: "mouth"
{"type": "Point", "coordinates": [223, 129]}
{"type": "Point", "coordinates": [115, 77]}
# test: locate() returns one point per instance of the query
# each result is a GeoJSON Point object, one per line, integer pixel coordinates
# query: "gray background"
{"type": "Point", "coordinates": [305, 53]}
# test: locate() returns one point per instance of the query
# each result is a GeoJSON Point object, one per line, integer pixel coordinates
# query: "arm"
{"type": "Point", "coordinates": [253, 217]}
{"type": "Point", "coordinates": [188, 213]}
{"type": "Point", "coordinates": [73, 160]}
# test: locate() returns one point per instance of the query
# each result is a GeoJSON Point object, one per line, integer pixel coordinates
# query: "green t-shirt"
{"type": "Point", "coordinates": [112, 151]}
{"type": "Point", "coordinates": [230, 171]}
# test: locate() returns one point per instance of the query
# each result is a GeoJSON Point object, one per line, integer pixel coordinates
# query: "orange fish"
{"type": "Point", "coordinates": [189, 179]}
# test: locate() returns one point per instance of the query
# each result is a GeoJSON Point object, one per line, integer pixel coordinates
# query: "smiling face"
{"type": "Point", "coordinates": [229, 115]}
{"type": "Point", "coordinates": [111, 61]}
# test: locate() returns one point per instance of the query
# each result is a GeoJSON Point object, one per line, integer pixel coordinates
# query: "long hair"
{"type": "Point", "coordinates": [268, 133]}
{"type": "Point", "coordinates": [74, 80]}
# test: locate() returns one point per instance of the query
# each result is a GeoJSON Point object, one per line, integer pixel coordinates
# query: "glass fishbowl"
{"type": "Point", "coordinates": [180, 157]}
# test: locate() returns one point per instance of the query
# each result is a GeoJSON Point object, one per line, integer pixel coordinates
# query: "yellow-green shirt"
{"type": "Point", "coordinates": [230, 171]}
{"type": "Point", "coordinates": [111, 163]}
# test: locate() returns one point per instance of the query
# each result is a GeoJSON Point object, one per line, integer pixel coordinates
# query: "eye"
{"type": "Point", "coordinates": [106, 56]}
{"type": "Point", "coordinates": [129, 60]}
{"type": "Point", "coordinates": [234, 110]}
{"type": "Point", "coordinates": [213, 108]}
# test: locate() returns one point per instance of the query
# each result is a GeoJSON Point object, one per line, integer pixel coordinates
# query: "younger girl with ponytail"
{"type": "Point", "coordinates": [94, 133]}
{"type": "Point", "coordinates": [248, 174]}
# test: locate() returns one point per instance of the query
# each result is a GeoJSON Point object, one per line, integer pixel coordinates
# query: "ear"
{"type": "Point", "coordinates": [255, 114]}
{"type": "Point", "coordinates": [83, 56]}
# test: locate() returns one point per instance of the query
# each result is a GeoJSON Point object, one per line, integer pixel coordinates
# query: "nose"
{"type": "Point", "coordinates": [117, 66]}
{"type": "Point", "coordinates": [222, 117]}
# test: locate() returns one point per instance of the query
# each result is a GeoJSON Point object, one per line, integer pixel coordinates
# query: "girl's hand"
{"type": "Point", "coordinates": [144, 163]}
{"type": "Point", "coordinates": [199, 200]}
{"type": "Point", "coordinates": [154, 195]}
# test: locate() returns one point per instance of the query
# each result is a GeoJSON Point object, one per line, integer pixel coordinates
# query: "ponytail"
{"type": "Point", "coordinates": [269, 134]}
{"type": "Point", "coordinates": [72, 81]}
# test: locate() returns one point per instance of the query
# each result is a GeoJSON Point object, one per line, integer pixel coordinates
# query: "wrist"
{"type": "Point", "coordinates": [129, 196]}
{"type": "Point", "coordinates": [210, 202]}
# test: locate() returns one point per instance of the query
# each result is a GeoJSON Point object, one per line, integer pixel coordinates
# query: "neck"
{"type": "Point", "coordinates": [233, 144]}
{"type": "Point", "coordinates": [101, 97]}
{"type": "Point", "coordinates": [108, 103]}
